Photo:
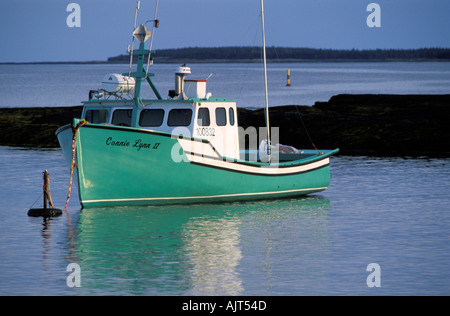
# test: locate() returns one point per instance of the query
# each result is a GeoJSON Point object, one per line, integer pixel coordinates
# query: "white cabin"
{"type": "Point", "coordinates": [189, 111]}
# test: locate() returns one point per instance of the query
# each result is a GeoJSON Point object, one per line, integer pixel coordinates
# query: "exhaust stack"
{"type": "Point", "coordinates": [180, 74]}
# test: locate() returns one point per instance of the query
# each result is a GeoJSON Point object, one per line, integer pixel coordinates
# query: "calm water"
{"type": "Point", "coordinates": [389, 211]}
{"type": "Point", "coordinates": [66, 85]}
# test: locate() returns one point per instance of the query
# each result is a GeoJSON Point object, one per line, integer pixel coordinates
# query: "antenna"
{"type": "Point", "coordinates": [138, 4]}
{"type": "Point", "coordinates": [155, 25]}
{"type": "Point", "coordinates": [265, 82]}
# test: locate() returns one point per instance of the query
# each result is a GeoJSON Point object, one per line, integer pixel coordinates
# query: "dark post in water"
{"type": "Point", "coordinates": [45, 212]}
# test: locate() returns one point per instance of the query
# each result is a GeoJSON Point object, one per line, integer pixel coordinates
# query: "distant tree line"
{"type": "Point", "coordinates": [280, 54]}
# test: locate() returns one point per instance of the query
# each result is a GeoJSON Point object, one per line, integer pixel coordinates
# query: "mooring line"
{"type": "Point", "coordinates": [36, 200]}
{"type": "Point", "coordinates": [72, 166]}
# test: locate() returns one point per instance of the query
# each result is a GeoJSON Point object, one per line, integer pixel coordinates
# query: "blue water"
{"type": "Point", "coordinates": [389, 211]}
{"type": "Point", "coordinates": [67, 85]}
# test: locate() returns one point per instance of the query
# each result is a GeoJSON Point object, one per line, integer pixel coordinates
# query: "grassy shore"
{"type": "Point", "coordinates": [34, 126]}
{"type": "Point", "coordinates": [389, 125]}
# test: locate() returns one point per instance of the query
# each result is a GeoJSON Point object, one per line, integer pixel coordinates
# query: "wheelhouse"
{"type": "Point", "coordinates": [188, 111]}
{"type": "Point", "coordinates": [214, 120]}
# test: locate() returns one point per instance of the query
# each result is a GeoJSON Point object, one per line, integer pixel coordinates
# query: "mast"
{"type": "Point", "coordinates": [265, 83]}
{"type": "Point", "coordinates": [142, 34]}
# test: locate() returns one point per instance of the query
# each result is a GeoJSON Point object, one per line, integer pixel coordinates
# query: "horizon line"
{"type": "Point", "coordinates": [106, 61]}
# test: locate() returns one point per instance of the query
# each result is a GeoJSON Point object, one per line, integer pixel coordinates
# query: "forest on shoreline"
{"type": "Point", "coordinates": [289, 54]}
{"type": "Point", "coordinates": [247, 54]}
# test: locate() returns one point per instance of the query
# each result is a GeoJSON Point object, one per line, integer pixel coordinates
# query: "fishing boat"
{"type": "Point", "coordinates": [127, 150]}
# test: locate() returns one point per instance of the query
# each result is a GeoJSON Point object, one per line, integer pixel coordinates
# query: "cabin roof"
{"type": "Point", "coordinates": [169, 101]}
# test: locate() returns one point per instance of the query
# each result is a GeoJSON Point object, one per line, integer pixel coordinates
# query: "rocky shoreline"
{"type": "Point", "coordinates": [382, 125]}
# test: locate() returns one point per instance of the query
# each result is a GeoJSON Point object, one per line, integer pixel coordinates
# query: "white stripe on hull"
{"type": "Point", "coordinates": [206, 197]}
{"type": "Point", "coordinates": [204, 153]}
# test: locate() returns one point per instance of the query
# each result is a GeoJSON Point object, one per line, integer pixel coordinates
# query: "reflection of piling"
{"type": "Point", "coordinates": [288, 83]}
{"type": "Point", "coordinates": [45, 190]}
{"type": "Point", "coordinates": [45, 211]}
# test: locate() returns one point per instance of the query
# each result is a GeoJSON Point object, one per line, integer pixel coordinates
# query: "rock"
{"type": "Point", "coordinates": [416, 125]}
{"type": "Point", "coordinates": [34, 126]}
{"type": "Point", "coordinates": [393, 125]}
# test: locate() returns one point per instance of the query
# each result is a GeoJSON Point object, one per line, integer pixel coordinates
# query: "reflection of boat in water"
{"type": "Point", "coordinates": [197, 249]}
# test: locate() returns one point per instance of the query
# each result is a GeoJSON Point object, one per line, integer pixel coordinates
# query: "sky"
{"type": "Point", "coordinates": [37, 30]}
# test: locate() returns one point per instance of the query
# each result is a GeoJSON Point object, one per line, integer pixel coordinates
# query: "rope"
{"type": "Point", "coordinates": [72, 166]}
{"type": "Point", "coordinates": [307, 134]}
{"type": "Point", "coordinates": [37, 199]}
{"type": "Point", "coordinates": [47, 192]}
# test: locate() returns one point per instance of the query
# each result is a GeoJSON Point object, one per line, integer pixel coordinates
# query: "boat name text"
{"type": "Point", "coordinates": [138, 144]}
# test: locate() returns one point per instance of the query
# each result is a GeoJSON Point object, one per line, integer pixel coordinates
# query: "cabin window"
{"type": "Point", "coordinates": [122, 117]}
{"type": "Point", "coordinates": [180, 117]}
{"type": "Point", "coordinates": [151, 117]}
{"type": "Point", "coordinates": [231, 114]}
{"type": "Point", "coordinates": [203, 117]}
{"type": "Point", "coordinates": [97, 116]}
{"type": "Point", "coordinates": [221, 116]}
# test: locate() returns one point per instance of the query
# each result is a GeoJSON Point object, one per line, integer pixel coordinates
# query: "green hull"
{"type": "Point", "coordinates": [129, 166]}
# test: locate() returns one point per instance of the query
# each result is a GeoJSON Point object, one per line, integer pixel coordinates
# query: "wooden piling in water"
{"type": "Point", "coordinates": [45, 211]}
